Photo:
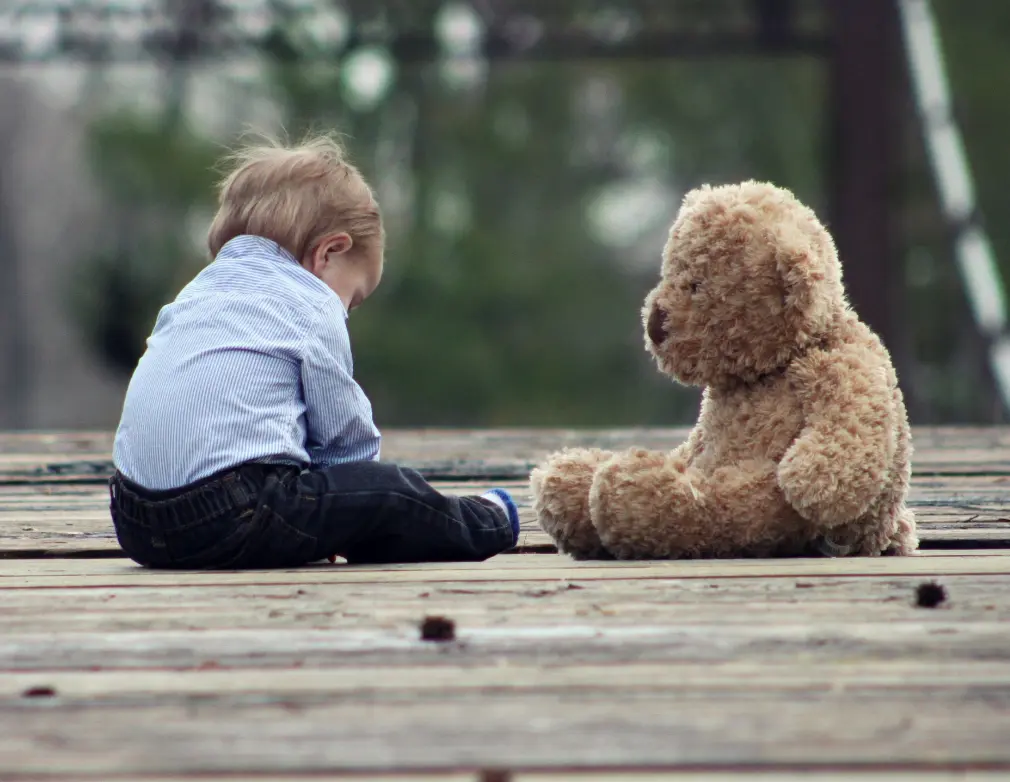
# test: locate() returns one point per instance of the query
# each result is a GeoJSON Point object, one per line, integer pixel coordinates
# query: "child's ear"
{"type": "Point", "coordinates": [338, 243]}
{"type": "Point", "coordinates": [334, 244]}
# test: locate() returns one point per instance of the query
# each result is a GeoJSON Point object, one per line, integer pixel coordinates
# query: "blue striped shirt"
{"type": "Point", "coordinates": [251, 362]}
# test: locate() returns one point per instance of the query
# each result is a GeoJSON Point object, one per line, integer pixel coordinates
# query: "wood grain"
{"type": "Point", "coordinates": [561, 602]}
{"type": "Point", "coordinates": [766, 774]}
{"type": "Point", "coordinates": [506, 454]}
{"type": "Point", "coordinates": [73, 520]}
{"type": "Point", "coordinates": [754, 775]}
{"type": "Point", "coordinates": [696, 670]}
{"type": "Point", "coordinates": [573, 728]}
{"type": "Point", "coordinates": [657, 666]}
{"type": "Point", "coordinates": [358, 681]}
{"type": "Point", "coordinates": [83, 573]}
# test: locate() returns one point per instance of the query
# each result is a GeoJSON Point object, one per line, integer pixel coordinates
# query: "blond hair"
{"type": "Point", "coordinates": [294, 195]}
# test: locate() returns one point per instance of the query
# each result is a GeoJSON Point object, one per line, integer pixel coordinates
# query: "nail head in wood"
{"type": "Point", "coordinates": [438, 628]}
{"type": "Point", "coordinates": [930, 594]}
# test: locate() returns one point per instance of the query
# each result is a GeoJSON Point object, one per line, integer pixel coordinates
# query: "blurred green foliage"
{"type": "Point", "coordinates": [501, 304]}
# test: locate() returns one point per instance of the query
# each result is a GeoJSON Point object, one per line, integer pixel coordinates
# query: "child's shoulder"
{"type": "Point", "coordinates": [277, 283]}
{"type": "Point", "coordinates": [254, 300]}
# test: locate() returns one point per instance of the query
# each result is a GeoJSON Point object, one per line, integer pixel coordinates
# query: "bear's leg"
{"type": "Point", "coordinates": [904, 540]}
{"type": "Point", "coordinates": [561, 500]}
{"type": "Point", "coordinates": [890, 524]}
{"type": "Point", "coordinates": [649, 505]}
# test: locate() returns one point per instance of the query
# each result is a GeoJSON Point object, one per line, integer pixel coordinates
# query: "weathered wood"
{"type": "Point", "coordinates": [64, 573]}
{"type": "Point", "coordinates": [149, 686]}
{"type": "Point", "coordinates": [741, 602]}
{"type": "Point", "coordinates": [763, 774]}
{"type": "Point", "coordinates": [486, 454]}
{"type": "Point", "coordinates": [745, 666]}
{"type": "Point", "coordinates": [73, 520]}
{"type": "Point", "coordinates": [468, 777]}
{"type": "Point", "coordinates": [584, 728]}
{"type": "Point", "coordinates": [670, 670]}
{"type": "Point", "coordinates": [479, 776]}
{"type": "Point", "coordinates": [852, 773]}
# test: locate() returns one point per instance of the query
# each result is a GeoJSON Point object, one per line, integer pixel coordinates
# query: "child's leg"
{"type": "Point", "coordinates": [369, 512]}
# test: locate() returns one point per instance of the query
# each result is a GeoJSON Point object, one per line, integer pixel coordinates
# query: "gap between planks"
{"type": "Point", "coordinates": [70, 521]}
{"type": "Point", "coordinates": [764, 774]}
{"type": "Point", "coordinates": [488, 454]}
{"type": "Point", "coordinates": [531, 730]}
{"type": "Point", "coordinates": [521, 567]}
{"type": "Point", "coordinates": [408, 680]}
{"type": "Point", "coordinates": [728, 603]}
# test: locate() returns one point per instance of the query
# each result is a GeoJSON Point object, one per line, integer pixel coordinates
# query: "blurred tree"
{"type": "Point", "coordinates": [153, 171]}
{"type": "Point", "coordinates": [527, 205]}
{"type": "Point", "coordinates": [951, 367]}
{"type": "Point", "coordinates": [152, 174]}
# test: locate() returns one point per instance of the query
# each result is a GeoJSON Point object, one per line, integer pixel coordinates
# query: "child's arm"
{"type": "Point", "coordinates": [338, 415]}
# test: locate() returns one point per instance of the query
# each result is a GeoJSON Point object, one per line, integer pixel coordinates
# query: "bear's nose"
{"type": "Point", "coordinates": [656, 327]}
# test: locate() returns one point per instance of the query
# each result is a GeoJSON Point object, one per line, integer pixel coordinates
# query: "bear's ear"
{"type": "Point", "coordinates": [807, 266]}
{"type": "Point", "coordinates": [692, 197]}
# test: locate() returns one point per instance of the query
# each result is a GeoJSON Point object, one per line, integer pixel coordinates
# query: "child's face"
{"type": "Point", "coordinates": [351, 271]}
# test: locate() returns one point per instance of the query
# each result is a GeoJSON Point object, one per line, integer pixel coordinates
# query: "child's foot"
{"type": "Point", "coordinates": [503, 500]}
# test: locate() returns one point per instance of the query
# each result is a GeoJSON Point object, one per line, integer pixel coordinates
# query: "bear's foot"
{"type": "Point", "coordinates": [904, 540]}
{"type": "Point", "coordinates": [561, 501]}
{"type": "Point", "coordinates": [638, 499]}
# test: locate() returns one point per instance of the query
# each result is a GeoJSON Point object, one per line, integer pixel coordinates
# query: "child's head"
{"type": "Point", "coordinates": [314, 203]}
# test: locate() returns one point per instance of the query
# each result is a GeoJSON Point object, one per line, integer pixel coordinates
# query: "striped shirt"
{"type": "Point", "coordinates": [250, 363]}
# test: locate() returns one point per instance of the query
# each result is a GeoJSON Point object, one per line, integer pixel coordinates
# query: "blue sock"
{"type": "Point", "coordinates": [503, 500]}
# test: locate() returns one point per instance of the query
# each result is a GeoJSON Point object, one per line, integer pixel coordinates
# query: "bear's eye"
{"type": "Point", "coordinates": [694, 286]}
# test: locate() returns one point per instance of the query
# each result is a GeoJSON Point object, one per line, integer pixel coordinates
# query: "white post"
{"type": "Point", "coordinates": [945, 147]}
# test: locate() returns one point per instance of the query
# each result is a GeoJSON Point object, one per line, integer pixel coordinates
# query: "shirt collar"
{"type": "Point", "coordinates": [247, 244]}
{"type": "Point", "coordinates": [244, 245]}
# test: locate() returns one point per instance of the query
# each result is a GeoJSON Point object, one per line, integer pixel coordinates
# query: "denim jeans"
{"type": "Point", "coordinates": [270, 516]}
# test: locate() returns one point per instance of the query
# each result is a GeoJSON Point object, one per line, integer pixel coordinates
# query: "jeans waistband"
{"type": "Point", "coordinates": [231, 491]}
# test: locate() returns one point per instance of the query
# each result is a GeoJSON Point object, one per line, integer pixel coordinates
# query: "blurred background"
{"type": "Point", "coordinates": [530, 156]}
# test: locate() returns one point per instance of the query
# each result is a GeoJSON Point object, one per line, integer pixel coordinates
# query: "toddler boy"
{"type": "Point", "coordinates": [244, 440]}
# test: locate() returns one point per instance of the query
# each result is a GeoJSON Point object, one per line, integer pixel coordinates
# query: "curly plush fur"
{"type": "Point", "coordinates": [802, 445]}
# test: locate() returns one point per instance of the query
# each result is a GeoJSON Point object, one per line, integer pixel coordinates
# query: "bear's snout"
{"type": "Point", "coordinates": [656, 327]}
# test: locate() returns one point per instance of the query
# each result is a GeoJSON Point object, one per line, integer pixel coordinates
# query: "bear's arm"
{"type": "Point", "coordinates": [838, 464]}
{"type": "Point", "coordinates": [694, 445]}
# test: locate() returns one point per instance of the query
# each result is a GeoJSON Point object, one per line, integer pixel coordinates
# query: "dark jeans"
{"type": "Point", "coordinates": [268, 516]}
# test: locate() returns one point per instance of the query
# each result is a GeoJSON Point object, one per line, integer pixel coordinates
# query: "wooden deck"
{"type": "Point", "coordinates": [703, 670]}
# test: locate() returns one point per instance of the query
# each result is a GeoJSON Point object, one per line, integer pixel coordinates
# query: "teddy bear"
{"type": "Point", "coordinates": [802, 445]}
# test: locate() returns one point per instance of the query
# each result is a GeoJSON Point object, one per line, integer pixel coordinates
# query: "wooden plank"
{"type": "Point", "coordinates": [851, 774]}
{"type": "Point", "coordinates": [408, 776]}
{"type": "Point", "coordinates": [486, 454]}
{"type": "Point", "coordinates": [501, 604]}
{"type": "Point", "coordinates": [586, 665]}
{"type": "Point", "coordinates": [644, 690]}
{"type": "Point", "coordinates": [522, 604]}
{"type": "Point", "coordinates": [73, 520]}
{"type": "Point", "coordinates": [735, 667]}
{"type": "Point", "coordinates": [34, 573]}
{"type": "Point", "coordinates": [452, 442]}
{"type": "Point", "coordinates": [755, 775]}
{"type": "Point", "coordinates": [765, 775]}
{"type": "Point", "coordinates": [418, 681]}
{"type": "Point", "coordinates": [525, 730]}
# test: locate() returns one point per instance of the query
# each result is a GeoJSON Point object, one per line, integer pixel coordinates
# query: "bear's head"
{"type": "Point", "coordinates": [750, 279]}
